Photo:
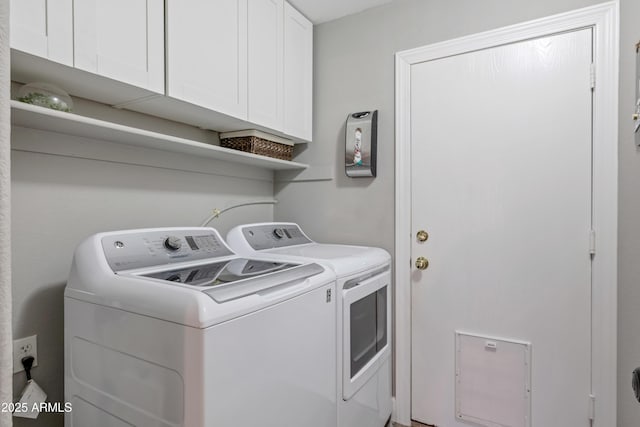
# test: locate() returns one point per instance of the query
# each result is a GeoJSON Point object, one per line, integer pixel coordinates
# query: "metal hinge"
{"type": "Point", "coordinates": [328, 295]}
{"type": "Point", "coordinates": [592, 407]}
{"type": "Point", "coordinates": [592, 242]}
{"type": "Point", "coordinates": [593, 76]}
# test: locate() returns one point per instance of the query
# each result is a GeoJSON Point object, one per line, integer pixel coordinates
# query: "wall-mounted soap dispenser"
{"type": "Point", "coordinates": [361, 144]}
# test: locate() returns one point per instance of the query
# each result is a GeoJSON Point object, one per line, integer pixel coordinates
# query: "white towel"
{"type": "Point", "coordinates": [6, 347]}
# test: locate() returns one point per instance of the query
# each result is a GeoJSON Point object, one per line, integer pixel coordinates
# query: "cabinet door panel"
{"type": "Point", "coordinates": [43, 28]}
{"type": "Point", "coordinates": [298, 63]}
{"type": "Point", "coordinates": [265, 64]}
{"type": "Point", "coordinates": [207, 54]}
{"type": "Point", "coordinates": [122, 40]}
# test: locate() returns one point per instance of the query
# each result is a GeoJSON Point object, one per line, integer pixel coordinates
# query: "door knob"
{"type": "Point", "coordinates": [422, 236]}
{"type": "Point", "coordinates": [422, 263]}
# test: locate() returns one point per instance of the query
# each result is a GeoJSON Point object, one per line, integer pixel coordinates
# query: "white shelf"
{"type": "Point", "coordinates": [34, 117]}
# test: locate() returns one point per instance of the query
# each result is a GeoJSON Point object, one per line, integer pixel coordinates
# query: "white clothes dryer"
{"type": "Point", "coordinates": [364, 307]}
{"type": "Point", "coordinates": [167, 327]}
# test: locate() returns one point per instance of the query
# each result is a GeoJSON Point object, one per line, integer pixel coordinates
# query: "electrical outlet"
{"type": "Point", "coordinates": [24, 347]}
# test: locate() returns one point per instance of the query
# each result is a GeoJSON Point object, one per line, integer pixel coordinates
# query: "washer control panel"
{"type": "Point", "coordinates": [269, 236]}
{"type": "Point", "coordinates": [128, 251]}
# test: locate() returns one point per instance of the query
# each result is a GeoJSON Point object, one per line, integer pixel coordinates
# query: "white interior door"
{"type": "Point", "coordinates": [501, 181]}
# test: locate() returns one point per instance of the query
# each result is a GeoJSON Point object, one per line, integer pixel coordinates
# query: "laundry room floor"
{"type": "Point", "coordinates": [413, 424]}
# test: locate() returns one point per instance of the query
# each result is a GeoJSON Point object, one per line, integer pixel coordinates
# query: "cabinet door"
{"type": "Point", "coordinates": [122, 40]}
{"type": "Point", "coordinates": [207, 54]}
{"type": "Point", "coordinates": [265, 63]}
{"type": "Point", "coordinates": [298, 71]}
{"type": "Point", "coordinates": [43, 28]}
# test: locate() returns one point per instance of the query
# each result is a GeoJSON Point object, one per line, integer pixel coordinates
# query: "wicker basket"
{"type": "Point", "coordinates": [258, 143]}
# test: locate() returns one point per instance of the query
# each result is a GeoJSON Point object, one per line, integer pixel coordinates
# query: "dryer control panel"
{"type": "Point", "coordinates": [275, 235]}
{"type": "Point", "coordinates": [131, 250]}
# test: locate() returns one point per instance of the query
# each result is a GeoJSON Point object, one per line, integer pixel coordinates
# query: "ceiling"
{"type": "Point", "coordinates": [326, 10]}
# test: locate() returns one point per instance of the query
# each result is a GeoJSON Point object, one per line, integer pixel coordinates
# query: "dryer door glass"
{"type": "Point", "coordinates": [381, 317]}
{"type": "Point", "coordinates": [368, 328]}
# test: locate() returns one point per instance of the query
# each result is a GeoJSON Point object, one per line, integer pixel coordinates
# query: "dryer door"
{"type": "Point", "coordinates": [366, 330]}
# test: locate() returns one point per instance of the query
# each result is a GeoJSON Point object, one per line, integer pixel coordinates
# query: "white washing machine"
{"type": "Point", "coordinates": [364, 307]}
{"type": "Point", "coordinates": [168, 327]}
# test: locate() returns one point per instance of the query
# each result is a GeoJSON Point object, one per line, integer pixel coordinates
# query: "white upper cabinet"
{"type": "Point", "coordinates": [298, 71]}
{"type": "Point", "coordinates": [249, 59]}
{"type": "Point", "coordinates": [266, 62]}
{"type": "Point", "coordinates": [207, 54]}
{"type": "Point", "coordinates": [221, 64]}
{"type": "Point", "coordinates": [43, 28]}
{"type": "Point", "coordinates": [121, 39]}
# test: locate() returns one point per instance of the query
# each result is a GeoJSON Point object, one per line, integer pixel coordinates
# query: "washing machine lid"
{"type": "Point", "coordinates": [235, 278]}
{"type": "Point", "coordinates": [219, 272]}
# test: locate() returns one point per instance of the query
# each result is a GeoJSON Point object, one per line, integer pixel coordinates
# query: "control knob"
{"type": "Point", "coordinates": [279, 233]}
{"type": "Point", "coordinates": [172, 243]}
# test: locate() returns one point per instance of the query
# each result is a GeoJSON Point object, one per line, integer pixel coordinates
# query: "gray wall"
{"type": "Point", "coordinates": [59, 199]}
{"type": "Point", "coordinates": [354, 71]}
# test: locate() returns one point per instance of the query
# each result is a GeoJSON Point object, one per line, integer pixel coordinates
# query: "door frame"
{"type": "Point", "coordinates": [603, 18]}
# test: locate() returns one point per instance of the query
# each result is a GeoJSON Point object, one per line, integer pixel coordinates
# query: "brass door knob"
{"type": "Point", "coordinates": [422, 236]}
{"type": "Point", "coordinates": [422, 263]}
